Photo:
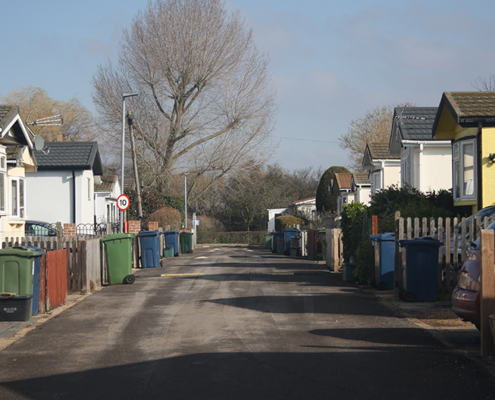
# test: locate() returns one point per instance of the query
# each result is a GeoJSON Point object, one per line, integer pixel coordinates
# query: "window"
{"type": "Point", "coordinates": [376, 181]}
{"type": "Point", "coordinates": [3, 175]}
{"type": "Point", "coordinates": [464, 170]}
{"type": "Point", "coordinates": [17, 196]}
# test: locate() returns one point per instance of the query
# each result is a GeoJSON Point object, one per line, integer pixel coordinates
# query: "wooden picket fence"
{"type": "Point", "coordinates": [456, 236]}
{"type": "Point", "coordinates": [76, 253]}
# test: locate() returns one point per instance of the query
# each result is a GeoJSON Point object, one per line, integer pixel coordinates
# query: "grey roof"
{"type": "Point", "coordinates": [70, 156]}
{"type": "Point", "coordinates": [379, 151]}
{"type": "Point", "coordinates": [415, 123]}
{"type": "Point", "coordinates": [107, 183]}
{"type": "Point", "coordinates": [7, 114]}
{"type": "Point", "coordinates": [361, 178]}
{"type": "Point", "coordinates": [16, 135]}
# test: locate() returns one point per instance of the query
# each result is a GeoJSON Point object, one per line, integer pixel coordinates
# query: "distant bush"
{"type": "Point", "coordinates": [210, 224]}
{"type": "Point", "coordinates": [286, 221]}
{"type": "Point", "coordinates": [167, 216]}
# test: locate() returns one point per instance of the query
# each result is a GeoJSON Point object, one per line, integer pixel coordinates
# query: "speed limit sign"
{"type": "Point", "coordinates": [123, 202]}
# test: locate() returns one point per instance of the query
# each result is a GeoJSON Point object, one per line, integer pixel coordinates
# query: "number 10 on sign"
{"type": "Point", "coordinates": [123, 202]}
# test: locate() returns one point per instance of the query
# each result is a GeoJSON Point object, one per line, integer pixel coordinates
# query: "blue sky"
{"type": "Point", "coordinates": [331, 61]}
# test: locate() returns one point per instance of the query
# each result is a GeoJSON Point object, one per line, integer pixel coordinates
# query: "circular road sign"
{"type": "Point", "coordinates": [123, 202]}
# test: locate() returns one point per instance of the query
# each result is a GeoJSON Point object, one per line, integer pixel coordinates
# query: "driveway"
{"type": "Point", "coordinates": [241, 323]}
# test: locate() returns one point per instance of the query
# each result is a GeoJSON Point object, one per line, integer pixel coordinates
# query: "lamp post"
{"type": "Point", "coordinates": [124, 95]}
{"type": "Point", "coordinates": [185, 199]}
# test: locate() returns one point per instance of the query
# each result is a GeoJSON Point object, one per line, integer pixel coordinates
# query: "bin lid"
{"type": "Point", "coordinates": [16, 297]}
{"type": "Point", "coordinates": [118, 236]}
{"type": "Point", "coordinates": [292, 230]}
{"type": "Point", "coordinates": [383, 237]}
{"type": "Point", "coordinates": [187, 233]}
{"type": "Point", "coordinates": [21, 251]}
{"type": "Point", "coordinates": [176, 232]}
{"type": "Point", "coordinates": [40, 252]}
{"type": "Point", "coordinates": [421, 241]}
{"type": "Point", "coordinates": [148, 233]}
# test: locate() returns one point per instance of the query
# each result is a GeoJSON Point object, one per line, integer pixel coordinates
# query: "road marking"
{"type": "Point", "coordinates": [193, 274]}
{"type": "Point", "coordinates": [271, 273]}
{"type": "Point", "coordinates": [199, 258]}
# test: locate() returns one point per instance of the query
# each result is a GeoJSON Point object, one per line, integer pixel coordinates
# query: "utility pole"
{"type": "Point", "coordinates": [134, 163]}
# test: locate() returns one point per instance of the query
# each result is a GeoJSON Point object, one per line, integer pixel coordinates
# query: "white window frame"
{"type": "Point", "coordinates": [374, 174]}
{"type": "Point", "coordinates": [459, 170]}
{"type": "Point", "coordinates": [19, 207]}
{"type": "Point", "coordinates": [3, 184]}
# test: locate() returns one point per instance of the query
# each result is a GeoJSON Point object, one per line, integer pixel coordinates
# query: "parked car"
{"type": "Point", "coordinates": [466, 295]}
{"type": "Point", "coordinates": [39, 228]}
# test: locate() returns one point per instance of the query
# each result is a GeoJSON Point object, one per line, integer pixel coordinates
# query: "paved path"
{"type": "Point", "coordinates": [236, 324]}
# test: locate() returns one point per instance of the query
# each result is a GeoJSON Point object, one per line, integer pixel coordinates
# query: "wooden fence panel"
{"type": "Point", "coordinates": [56, 291]}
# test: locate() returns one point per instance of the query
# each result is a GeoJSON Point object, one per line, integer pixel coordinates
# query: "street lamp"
{"type": "Point", "coordinates": [124, 95]}
{"type": "Point", "coordinates": [185, 200]}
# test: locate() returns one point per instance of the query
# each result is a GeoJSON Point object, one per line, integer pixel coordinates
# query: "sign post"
{"type": "Point", "coordinates": [123, 203]}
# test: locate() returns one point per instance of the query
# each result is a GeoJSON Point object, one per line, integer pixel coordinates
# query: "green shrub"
{"type": "Point", "coordinates": [352, 228]}
{"type": "Point", "coordinates": [286, 221]}
{"type": "Point", "coordinates": [411, 203]}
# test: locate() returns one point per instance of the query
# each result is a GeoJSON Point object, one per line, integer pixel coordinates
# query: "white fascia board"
{"type": "Point", "coordinates": [23, 128]}
{"type": "Point", "coordinates": [432, 143]}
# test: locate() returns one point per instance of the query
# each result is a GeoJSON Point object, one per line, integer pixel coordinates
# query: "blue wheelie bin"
{"type": "Point", "coordinates": [172, 241]}
{"type": "Point", "coordinates": [384, 251]}
{"type": "Point", "coordinates": [149, 242]}
{"type": "Point", "coordinates": [36, 279]}
{"type": "Point", "coordinates": [288, 235]}
{"type": "Point", "coordinates": [419, 270]}
{"type": "Point", "coordinates": [275, 237]}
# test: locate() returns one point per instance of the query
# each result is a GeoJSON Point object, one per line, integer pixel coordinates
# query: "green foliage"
{"type": "Point", "coordinates": [153, 202]}
{"type": "Point", "coordinates": [325, 201]}
{"type": "Point", "coordinates": [286, 221]}
{"type": "Point", "coordinates": [411, 203]}
{"type": "Point", "coordinates": [364, 258]}
{"type": "Point", "coordinates": [352, 228]}
{"type": "Point", "coordinates": [174, 202]}
{"type": "Point", "coordinates": [149, 202]}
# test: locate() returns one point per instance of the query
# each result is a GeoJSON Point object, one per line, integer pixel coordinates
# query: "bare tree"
{"type": "Point", "coordinates": [485, 85]}
{"type": "Point", "coordinates": [206, 101]}
{"type": "Point", "coordinates": [36, 105]}
{"type": "Point", "coordinates": [374, 126]}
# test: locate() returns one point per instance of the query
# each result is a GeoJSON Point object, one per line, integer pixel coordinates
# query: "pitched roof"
{"type": "Point", "coordinates": [107, 183]}
{"type": "Point", "coordinates": [70, 156]}
{"type": "Point", "coordinates": [379, 151]}
{"type": "Point", "coordinates": [361, 178]}
{"type": "Point", "coordinates": [13, 131]}
{"type": "Point", "coordinates": [468, 108]}
{"type": "Point", "coordinates": [415, 123]}
{"type": "Point", "coordinates": [344, 180]}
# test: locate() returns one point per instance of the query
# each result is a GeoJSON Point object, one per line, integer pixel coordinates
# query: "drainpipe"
{"type": "Point", "coordinates": [478, 166]}
{"type": "Point", "coordinates": [382, 183]}
{"type": "Point", "coordinates": [421, 148]}
{"type": "Point", "coordinates": [73, 197]}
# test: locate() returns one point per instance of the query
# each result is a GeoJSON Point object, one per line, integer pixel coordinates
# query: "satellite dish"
{"type": "Point", "coordinates": [39, 143]}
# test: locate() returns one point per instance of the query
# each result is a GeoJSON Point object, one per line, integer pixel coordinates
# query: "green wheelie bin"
{"type": "Point", "coordinates": [118, 250]}
{"type": "Point", "coordinates": [186, 242]}
{"type": "Point", "coordinates": [19, 277]}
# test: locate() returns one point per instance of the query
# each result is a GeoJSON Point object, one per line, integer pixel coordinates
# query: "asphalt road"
{"type": "Point", "coordinates": [249, 325]}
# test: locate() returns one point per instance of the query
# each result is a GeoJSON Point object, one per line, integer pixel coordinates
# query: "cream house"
{"type": "Point", "coordinates": [383, 167]}
{"type": "Point", "coordinates": [420, 153]}
{"type": "Point", "coordinates": [16, 158]}
{"type": "Point", "coordinates": [361, 187]}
